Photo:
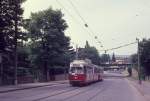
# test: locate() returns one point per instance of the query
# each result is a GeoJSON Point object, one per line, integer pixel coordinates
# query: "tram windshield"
{"type": "Point", "coordinates": [77, 70]}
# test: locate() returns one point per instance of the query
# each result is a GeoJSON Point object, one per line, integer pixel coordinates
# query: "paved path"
{"type": "Point", "coordinates": [144, 88]}
{"type": "Point", "coordinates": [11, 88]}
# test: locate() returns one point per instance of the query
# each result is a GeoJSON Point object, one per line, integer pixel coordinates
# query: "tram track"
{"type": "Point", "coordinates": [55, 94]}
{"type": "Point", "coordinates": [73, 92]}
{"type": "Point", "coordinates": [99, 92]}
{"type": "Point", "coordinates": [67, 98]}
{"type": "Point", "coordinates": [91, 98]}
{"type": "Point", "coordinates": [81, 92]}
{"type": "Point", "coordinates": [86, 91]}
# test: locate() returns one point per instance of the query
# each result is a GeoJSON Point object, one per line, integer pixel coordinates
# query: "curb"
{"type": "Point", "coordinates": [137, 91]}
{"type": "Point", "coordinates": [133, 84]}
{"type": "Point", "coordinates": [18, 89]}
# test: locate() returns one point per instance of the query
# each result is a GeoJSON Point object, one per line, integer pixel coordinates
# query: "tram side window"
{"type": "Point", "coordinates": [94, 70]}
{"type": "Point", "coordinates": [85, 69]}
{"type": "Point", "coordinates": [97, 70]}
{"type": "Point", "coordinates": [89, 69]}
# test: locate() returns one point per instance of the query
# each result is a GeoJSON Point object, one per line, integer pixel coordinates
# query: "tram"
{"type": "Point", "coordinates": [83, 72]}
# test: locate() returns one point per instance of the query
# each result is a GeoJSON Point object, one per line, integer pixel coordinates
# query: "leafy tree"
{"type": "Point", "coordinates": [134, 61]}
{"type": "Point", "coordinates": [23, 57]}
{"type": "Point", "coordinates": [89, 53]}
{"type": "Point", "coordinates": [11, 21]}
{"type": "Point", "coordinates": [10, 28]}
{"type": "Point", "coordinates": [130, 71]}
{"type": "Point", "coordinates": [48, 41]}
{"type": "Point", "coordinates": [145, 55]}
{"type": "Point", "coordinates": [134, 58]}
{"type": "Point", "coordinates": [105, 58]}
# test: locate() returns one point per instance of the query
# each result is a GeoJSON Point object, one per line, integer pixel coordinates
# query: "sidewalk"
{"type": "Point", "coordinates": [144, 88]}
{"type": "Point", "coordinates": [10, 88]}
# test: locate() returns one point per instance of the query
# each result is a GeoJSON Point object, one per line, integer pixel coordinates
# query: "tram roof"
{"type": "Point", "coordinates": [82, 62]}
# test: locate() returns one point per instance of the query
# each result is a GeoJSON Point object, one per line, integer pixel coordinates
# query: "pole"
{"type": "Point", "coordinates": [1, 69]}
{"type": "Point", "coordinates": [139, 68]}
{"type": "Point", "coordinates": [76, 52]}
{"type": "Point", "coordinates": [15, 48]}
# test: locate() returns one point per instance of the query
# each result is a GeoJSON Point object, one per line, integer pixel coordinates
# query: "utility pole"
{"type": "Point", "coordinates": [1, 69]}
{"type": "Point", "coordinates": [15, 43]}
{"type": "Point", "coordinates": [76, 52]}
{"type": "Point", "coordinates": [139, 68]}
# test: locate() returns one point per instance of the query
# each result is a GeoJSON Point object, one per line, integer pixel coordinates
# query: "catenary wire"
{"type": "Point", "coordinates": [90, 32]}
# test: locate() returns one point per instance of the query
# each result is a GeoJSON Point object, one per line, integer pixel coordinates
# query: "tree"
{"type": "Point", "coordinates": [113, 58]}
{"type": "Point", "coordinates": [134, 60]}
{"type": "Point", "coordinates": [130, 71]}
{"type": "Point", "coordinates": [10, 28]}
{"type": "Point", "coordinates": [105, 58]}
{"type": "Point", "coordinates": [48, 41]}
{"type": "Point", "coordinates": [89, 53]}
{"type": "Point", "coordinates": [145, 55]}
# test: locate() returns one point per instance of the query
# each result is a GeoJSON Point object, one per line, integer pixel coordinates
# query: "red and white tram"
{"type": "Point", "coordinates": [82, 72]}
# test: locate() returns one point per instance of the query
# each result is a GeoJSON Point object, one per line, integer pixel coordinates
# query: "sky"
{"type": "Point", "coordinates": [114, 22]}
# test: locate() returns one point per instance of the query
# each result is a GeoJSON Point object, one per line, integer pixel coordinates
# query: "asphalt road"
{"type": "Point", "coordinates": [111, 89]}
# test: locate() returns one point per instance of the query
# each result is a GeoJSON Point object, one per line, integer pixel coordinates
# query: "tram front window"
{"type": "Point", "coordinates": [77, 70]}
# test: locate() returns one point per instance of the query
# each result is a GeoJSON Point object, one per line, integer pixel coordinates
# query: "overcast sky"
{"type": "Point", "coordinates": [114, 22]}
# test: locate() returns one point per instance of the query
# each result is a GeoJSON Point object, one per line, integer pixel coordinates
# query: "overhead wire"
{"type": "Point", "coordinates": [88, 31]}
{"type": "Point", "coordinates": [85, 23]}
{"type": "Point", "coordinates": [59, 3]}
{"type": "Point", "coordinates": [125, 45]}
{"type": "Point", "coordinates": [77, 11]}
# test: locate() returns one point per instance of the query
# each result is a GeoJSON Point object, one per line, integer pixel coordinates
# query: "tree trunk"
{"type": "Point", "coordinates": [45, 70]}
{"type": "Point", "coordinates": [1, 69]}
{"type": "Point", "coordinates": [15, 44]}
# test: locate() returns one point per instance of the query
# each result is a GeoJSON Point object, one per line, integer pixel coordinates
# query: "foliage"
{"type": "Point", "coordinates": [113, 58]}
{"type": "Point", "coordinates": [9, 13]}
{"type": "Point", "coordinates": [134, 58]}
{"type": "Point", "coordinates": [49, 45]}
{"type": "Point", "coordinates": [105, 58]}
{"type": "Point", "coordinates": [134, 61]}
{"type": "Point", "coordinates": [89, 53]}
{"type": "Point", "coordinates": [144, 51]}
{"type": "Point", "coordinates": [145, 55]}
{"type": "Point", "coordinates": [23, 57]}
{"type": "Point", "coordinates": [130, 71]}
{"type": "Point", "coordinates": [10, 33]}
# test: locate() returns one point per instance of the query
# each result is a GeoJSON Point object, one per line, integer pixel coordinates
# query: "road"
{"type": "Point", "coordinates": [111, 89]}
